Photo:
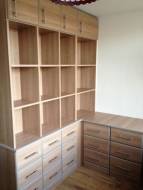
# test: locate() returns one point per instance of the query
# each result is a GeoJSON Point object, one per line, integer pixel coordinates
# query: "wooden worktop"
{"type": "Point", "coordinates": [117, 121]}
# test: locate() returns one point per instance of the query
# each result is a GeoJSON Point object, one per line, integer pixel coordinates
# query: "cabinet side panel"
{"type": "Point", "coordinates": [7, 170]}
{"type": "Point", "coordinates": [6, 132]}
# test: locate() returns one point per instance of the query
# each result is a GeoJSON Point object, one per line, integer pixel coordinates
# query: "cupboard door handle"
{"type": "Point", "coordinates": [124, 138]}
{"type": "Point", "coordinates": [123, 154]}
{"type": "Point", "coordinates": [94, 131]}
{"type": "Point", "coordinates": [64, 20]}
{"type": "Point", "coordinates": [122, 169]}
{"type": "Point", "coordinates": [31, 174]}
{"type": "Point", "coordinates": [70, 148]}
{"type": "Point", "coordinates": [80, 27]}
{"type": "Point", "coordinates": [52, 143]}
{"type": "Point", "coordinates": [54, 175]}
{"type": "Point", "coordinates": [43, 15]}
{"type": "Point", "coordinates": [36, 188]}
{"type": "Point", "coordinates": [50, 161]}
{"type": "Point", "coordinates": [71, 133]}
{"type": "Point", "coordinates": [70, 162]}
{"type": "Point", "coordinates": [31, 155]}
{"type": "Point", "coordinates": [14, 8]}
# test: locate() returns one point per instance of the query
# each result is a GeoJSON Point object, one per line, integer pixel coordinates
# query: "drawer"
{"type": "Point", "coordinates": [51, 160]}
{"type": "Point", "coordinates": [52, 177]}
{"type": "Point", "coordinates": [126, 137]}
{"type": "Point", "coordinates": [69, 148]}
{"type": "Point", "coordinates": [29, 174]}
{"type": "Point", "coordinates": [126, 152]}
{"type": "Point", "coordinates": [51, 142]}
{"type": "Point", "coordinates": [95, 130]}
{"type": "Point", "coordinates": [96, 158]}
{"type": "Point", "coordinates": [70, 132]}
{"type": "Point", "coordinates": [125, 168]}
{"type": "Point", "coordinates": [96, 167]}
{"type": "Point", "coordinates": [36, 185]}
{"type": "Point", "coordinates": [96, 144]}
{"type": "Point", "coordinates": [28, 154]}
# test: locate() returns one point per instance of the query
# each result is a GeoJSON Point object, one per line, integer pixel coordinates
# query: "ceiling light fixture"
{"type": "Point", "coordinates": [73, 2]}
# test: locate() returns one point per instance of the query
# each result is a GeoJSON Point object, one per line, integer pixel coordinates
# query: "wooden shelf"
{"type": "Point", "coordinates": [51, 117]}
{"type": "Point", "coordinates": [68, 110]}
{"type": "Point", "coordinates": [23, 44]}
{"type": "Point", "coordinates": [50, 83]}
{"type": "Point", "coordinates": [25, 86]}
{"type": "Point", "coordinates": [85, 78]}
{"type": "Point", "coordinates": [86, 52]}
{"type": "Point", "coordinates": [67, 80]}
{"type": "Point", "coordinates": [85, 102]}
{"type": "Point", "coordinates": [26, 125]}
{"type": "Point", "coordinates": [67, 44]}
{"type": "Point", "coordinates": [49, 47]}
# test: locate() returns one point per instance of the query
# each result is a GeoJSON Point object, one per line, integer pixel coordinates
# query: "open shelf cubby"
{"type": "Point", "coordinates": [50, 82]}
{"type": "Point", "coordinates": [86, 52]}
{"type": "Point", "coordinates": [23, 44]}
{"type": "Point", "coordinates": [51, 116]}
{"type": "Point", "coordinates": [25, 86]}
{"type": "Point", "coordinates": [67, 46]}
{"type": "Point", "coordinates": [49, 47]}
{"type": "Point", "coordinates": [67, 80]}
{"type": "Point", "coordinates": [85, 103]}
{"type": "Point", "coordinates": [67, 110]}
{"type": "Point", "coordinates": [85, 78]}
{"type": "Point", "coordinates": [26, 125]}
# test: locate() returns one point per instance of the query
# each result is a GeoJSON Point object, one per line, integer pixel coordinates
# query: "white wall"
{"type": "Point", "coordinates": [120, 65]}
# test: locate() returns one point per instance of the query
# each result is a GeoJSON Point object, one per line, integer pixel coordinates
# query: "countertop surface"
{"type": "Point", "coordinates": [116, 121]}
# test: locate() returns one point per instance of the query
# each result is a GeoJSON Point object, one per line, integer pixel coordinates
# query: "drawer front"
{"type": "Point", "coordinates": [96, 158]}
{"type": "Point", "coordinates": [28, 154]}
{"type": "Point", "coordinates": [52, 177]}
{"type": "Point", "coordinates": [126, 137]}
{"type": "Point", "coordinates": [125, 168]}
{"type": "Point", "coordinates": [51, 142]}
{"type": "Point", "coordinates": [96, 144]}
{"type": "Point", "coordinates": [95, 130]}
{"type": "Point", "coordinates": [69, 133]}
{"type": "Point", "coordinates": [28, 175]}
{"type": "Point", "coordinates": [35, 186]}
{"type": "Point", "coordinates": [51, 160]}
{"type": "Point", "coordinates": [126, 152]}
{"type": "Point", "coordinates": [69, 148]}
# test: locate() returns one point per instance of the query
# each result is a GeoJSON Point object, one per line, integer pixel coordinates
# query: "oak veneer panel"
{"type": "Point", "coordinates": [67, 47]}
{"type": "Point", "coordinates": [126, 152]}
{"type": "Point", "coordinates": [127, 137]}
{"type": "Point", "coordinates": [96, 144]}
{"type": "Point", "coordinates": [50, 82]}
{"type": "Point", "coordinates": [6, 123]}
{"type": "Point", "coordinates": [23, 44]}
{"type": "Point", "coordinates": [49, 47]}
{"type": "Point", "coordinates": [49, 14]}
{"type": "Point", "coordinates": [25, 86]}
{"type": "Point", "coordinates": [67, 110]}
{"type": "Point", "coordinates": [67, 80]}
{"type": "Point", "coordinates": [51, 117]}
{"type": "Point", "coordinates": [86, 78]}
{"type": "Point", "coordinates": [23, 10]}
{"type": "Point", "coordinates": [86, 52]}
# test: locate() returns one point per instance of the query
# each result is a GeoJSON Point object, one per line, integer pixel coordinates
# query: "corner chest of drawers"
{"type": "Point", "coordinates": [117, 152]}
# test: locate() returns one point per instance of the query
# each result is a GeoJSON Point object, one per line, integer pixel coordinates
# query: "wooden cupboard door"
{"type": "Point", "coordinates": [88, 26]}
{"type": "Point", "coordinates": [69, 21]}
{"type": "Point", "coordinates": [50, 14]}
{"type": "Point", "coordinates": [23, 10]}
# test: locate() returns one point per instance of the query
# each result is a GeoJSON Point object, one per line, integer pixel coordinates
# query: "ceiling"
{"type": "Point", "coordinates": [108, 7]}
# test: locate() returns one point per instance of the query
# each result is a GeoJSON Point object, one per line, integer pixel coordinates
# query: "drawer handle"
{"type": "Point", "coordinates": [64, 20]}
{"type": "Point", "coordinates": [94, 131]}
{"type": "Point", "coordinates": [122, 169]}
{"type": "Point", "coordinates": [54, 175]}
{"type": "Point", "coordinates": [70, 162]}
{"type": "Point", "coordinates": [54, 142]}
{"type": "Point", "coordinates": [71, 133]}
{"type": "Point", "coordinates": [124, 138]}
{"type": "Point", "coordinates": [80, 27]}
{"type": "Point", "coordinates": [53, 159]}
{"type": "Point", "coordinates": [31, 155]}
{"type": "Point", "coordinates": [122, 154]}
{"type": "Point", "coordinates": [43, 15]}
{"type": "Point", "coordinates": [31, 174]}
{"type": "Point", "coordinates": [70, 148]}
{"type": "Point", "coordinates": [14, 8]}
{"type": "Point", "coordinates": [91, 160]}
{"type": "Point", "coordinates": [36, 188]}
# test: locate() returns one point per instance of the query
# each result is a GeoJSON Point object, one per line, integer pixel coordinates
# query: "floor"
{"type": "Point", "coordinates": [85, 179]}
